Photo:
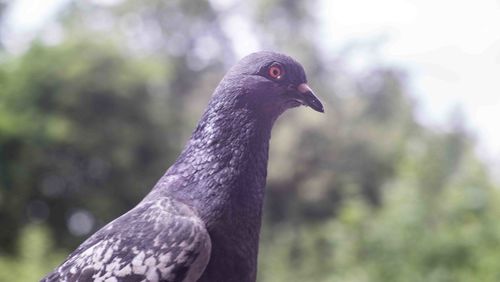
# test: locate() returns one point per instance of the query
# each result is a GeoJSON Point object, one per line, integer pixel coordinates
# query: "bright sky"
{"type": "Point", "coordinates": [451, 48]}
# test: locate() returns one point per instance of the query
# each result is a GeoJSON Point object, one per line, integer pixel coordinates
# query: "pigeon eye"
{"type": "Point", "coordinates": [276, 71]}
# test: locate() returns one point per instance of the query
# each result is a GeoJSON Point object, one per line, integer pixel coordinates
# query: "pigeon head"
{"type": "Point", "coordinates": [269, 82]}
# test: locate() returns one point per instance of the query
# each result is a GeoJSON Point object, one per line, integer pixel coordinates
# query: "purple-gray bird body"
{"type": "Point", "coordinates": [201, 221]}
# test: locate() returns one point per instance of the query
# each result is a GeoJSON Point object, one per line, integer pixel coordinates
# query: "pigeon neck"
{"type": "Point", "coordinates": [222, 170]}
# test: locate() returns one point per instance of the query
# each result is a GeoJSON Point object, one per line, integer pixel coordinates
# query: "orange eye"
{"type": "Point", "coordinates": [276, 71]}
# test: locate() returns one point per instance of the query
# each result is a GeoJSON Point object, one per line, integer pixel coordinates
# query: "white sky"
{"type": "Point", "coordinates": [28, 15]}
{"type": "Point", "coordinates": [451, 48]}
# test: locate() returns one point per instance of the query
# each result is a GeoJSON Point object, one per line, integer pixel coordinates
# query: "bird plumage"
{"type": "Point", "coordinates": [161, 239]}
{"type": "Point", "coordinates": [201, 221]}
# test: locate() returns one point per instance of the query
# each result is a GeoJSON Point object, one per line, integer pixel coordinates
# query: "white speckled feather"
{"type": "Point", "coordinates": [158, 240]}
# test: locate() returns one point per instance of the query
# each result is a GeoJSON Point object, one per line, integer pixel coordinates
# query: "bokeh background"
{"type": "Point", "coordinates": [396, 182]}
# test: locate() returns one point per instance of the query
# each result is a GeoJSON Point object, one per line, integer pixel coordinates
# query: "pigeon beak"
{"type": "Point", "coordinates": [307, 98]}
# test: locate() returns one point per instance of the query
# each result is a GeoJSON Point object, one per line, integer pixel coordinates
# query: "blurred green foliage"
{"type": "Point", "coordinates": [362, 193]}
{"type": "Point", "coordinates": [445, 234]}
{"type": "Point", "coordinates": [35, 254]}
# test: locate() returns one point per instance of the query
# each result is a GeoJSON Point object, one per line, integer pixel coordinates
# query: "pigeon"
{"type": "Point", "coordinates": [201, 221]}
